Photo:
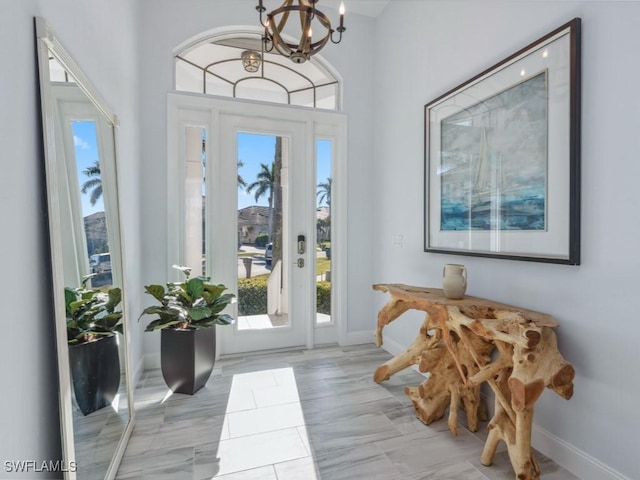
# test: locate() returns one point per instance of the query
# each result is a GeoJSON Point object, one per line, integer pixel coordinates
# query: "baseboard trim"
{"type": "Point", "coordinates": [572, 458]}
{"type": "Point", "coordinates": [137, 373]}
{"type": "Point", "coordinates": [152, 361]}
{"type": "Point", "coordinates": [360, 337]}
{"type": "Point", "coordinates": [394, 348]}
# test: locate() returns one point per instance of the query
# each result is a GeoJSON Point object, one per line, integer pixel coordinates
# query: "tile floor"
{"type": "Point", "coordinates": [96, 435]}
{"type": "Point", "coordinates": [301, 415]}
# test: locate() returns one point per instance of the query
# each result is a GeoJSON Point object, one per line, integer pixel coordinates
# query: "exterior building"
{"type": "Point", "coordinates": [252, 221]}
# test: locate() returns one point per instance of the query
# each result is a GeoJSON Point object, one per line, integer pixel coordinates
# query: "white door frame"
{"type": "Point", "coordinates": [208, 112]}
{"type": "Point", "coordinates": [296, 220]}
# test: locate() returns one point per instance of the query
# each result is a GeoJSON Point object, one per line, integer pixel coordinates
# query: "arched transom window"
{"type": "Point", "coordinates": [236, 66]}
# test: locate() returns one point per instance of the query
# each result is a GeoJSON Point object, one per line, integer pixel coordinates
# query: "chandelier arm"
{"type": "Point", "coordinates": [340, 30]}
{"type": "Point", "coordinates": [317, 46]}
{"type": "Point", "coordinates": [280, 45]}
{"type": "Point", "coordinates": [267, 40]}
{"type": "Point", "coordinates": [285, 16]}
{"type": "Point", "coordinates": [305, 26]}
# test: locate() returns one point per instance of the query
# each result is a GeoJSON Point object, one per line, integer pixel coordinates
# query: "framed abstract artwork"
{"type": "Point", "coordinates": [502, 157]}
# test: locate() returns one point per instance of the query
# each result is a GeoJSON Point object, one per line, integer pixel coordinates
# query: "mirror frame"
{"type": "Point", "coordinates": [47, 43]}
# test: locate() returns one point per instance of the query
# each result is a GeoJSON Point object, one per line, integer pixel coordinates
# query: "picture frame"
{"type": "Point", "coordinates": [502, 157]}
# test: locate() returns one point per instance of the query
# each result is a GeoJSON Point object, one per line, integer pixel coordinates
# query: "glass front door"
{"type": "Point", "coordinates": [258, 203]}
{"type": "Point", "coordinates": [264, 172]}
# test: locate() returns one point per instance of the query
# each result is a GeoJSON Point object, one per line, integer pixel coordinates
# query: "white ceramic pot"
{"type": "Point", "coordinates": [454, 280]}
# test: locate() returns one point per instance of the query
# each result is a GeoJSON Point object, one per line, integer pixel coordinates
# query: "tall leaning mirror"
{"type": "Point", "coordinates": [91, 328]}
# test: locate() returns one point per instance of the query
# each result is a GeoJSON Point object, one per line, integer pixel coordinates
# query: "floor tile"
{"type": "Point", "coordinates": [278, 395]}
{"type": "Point", "coordinates": [155, 459]}
{"type": "Point", "coordinates": [267, 419]}
{"type": "Point", "coordinates": [261, 473]}
{"type": "Point", "coordinates": [421, 451]}
{"type": "Point", "coordinates": [245, 453]}
{"type": "Point", "coordinates": [462, 470]}
{"type": "Point", "coordinates": [501, 468]}
{"type": "Point", "coordinates": [357, 462]}
{"type": "Point", "coordinates": [177, 471]}
{"type": "Point", "coordinates": [331, 436]}
{"type": "Point", "coordinates": [302, 468]}
{"type": "Point", "coordinates": [300, 415]}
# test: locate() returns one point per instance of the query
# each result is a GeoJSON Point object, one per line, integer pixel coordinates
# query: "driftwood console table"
{"type": "Point", "coordinates": [456, 346]}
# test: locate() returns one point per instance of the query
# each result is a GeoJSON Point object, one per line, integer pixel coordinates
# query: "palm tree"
{"type": "Point", "coordinates": [324, 192]}
{"type": "Point", "coordinates": [323, 229]}
{"type": "Point", "coordinates": [276, 237]}
{"type": "Point", "coordinates": [264, 185]}
{"type": "Point", "coordinates": [94, 184]}
{"type": "Point", "coordinates": [241, 182]}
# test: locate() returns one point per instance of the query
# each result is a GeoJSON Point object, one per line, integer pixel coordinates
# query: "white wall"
{"type": "Point", "coordinates": [101, 38]}
{"type": "Point", "coordinates": [166, 25]}
{"type": "Point", "coordinates": [434, 46]}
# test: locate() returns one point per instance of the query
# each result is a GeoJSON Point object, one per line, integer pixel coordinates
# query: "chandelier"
{"type": "Point", "coordinates": [310, 19]}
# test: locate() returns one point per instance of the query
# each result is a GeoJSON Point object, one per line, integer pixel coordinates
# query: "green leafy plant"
{"type": "Point", "coordinates": [91, 313]}
{"type": "Point", "coordinates": [252, 295]}
{"type": "Point", "coordinates": [323, 297]}
{"type": "Point", "coordinates": [189, 305]}
{"type": "Point", "coordinates": [262, 239]}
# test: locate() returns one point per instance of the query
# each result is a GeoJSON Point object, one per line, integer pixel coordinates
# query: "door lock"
{"type": "Point", "coordinates": [300, 262]}
{"type": "Point", "coordinates": [302, 244]}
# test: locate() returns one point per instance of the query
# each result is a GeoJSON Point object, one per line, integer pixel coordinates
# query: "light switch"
{"type": "Point", "coordinates": [396, 240]}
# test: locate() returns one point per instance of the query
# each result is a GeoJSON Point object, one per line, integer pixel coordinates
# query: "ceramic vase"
{"type": "Point", "coordinates": [454, 280]}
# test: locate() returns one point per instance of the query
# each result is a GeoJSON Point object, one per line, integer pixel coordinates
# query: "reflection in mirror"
{"type": "Point", "coordinates": [80, 153]}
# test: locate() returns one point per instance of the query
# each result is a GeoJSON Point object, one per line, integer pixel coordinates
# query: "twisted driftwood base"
{"type": "Point", "coordinates": [455, 345]}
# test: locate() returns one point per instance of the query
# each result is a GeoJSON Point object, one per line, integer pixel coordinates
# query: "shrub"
{"type": "Point", "coordinates": [323, 297]}
{"type": "Point", "coordinates": [262, 239]}
{"type": "Point", "coordinates": [252, 295]}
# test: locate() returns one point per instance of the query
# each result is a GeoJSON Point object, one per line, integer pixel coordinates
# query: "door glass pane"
{"type": "Point", "coordinates": [195, 195]}
{"type": "Point", "coordinates": [262, 213]}
{"type": "Point", "coordinates": [323, 231]}
{"type": "Point", "coordinates": [85, 141]}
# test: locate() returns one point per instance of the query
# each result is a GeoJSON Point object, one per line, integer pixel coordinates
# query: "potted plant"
{"type": "Point", "coordinates": [92, 324]}
{"type": "Point", "coordinates": [187, 316]}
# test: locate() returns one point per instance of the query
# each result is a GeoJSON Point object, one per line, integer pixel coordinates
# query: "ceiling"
{"type": "Point", "coordinates": [370, 8]}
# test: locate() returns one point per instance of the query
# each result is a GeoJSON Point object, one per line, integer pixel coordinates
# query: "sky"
{"type": "Point", "coordinates": [254, 149]}
{"type": "Point", "coordinates": [86, 148]}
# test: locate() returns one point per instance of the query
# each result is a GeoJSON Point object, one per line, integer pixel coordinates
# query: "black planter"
{"type": "Point", "coordinates": [95, 373]}
{"type": "Point", "coordinates": [187, 358]}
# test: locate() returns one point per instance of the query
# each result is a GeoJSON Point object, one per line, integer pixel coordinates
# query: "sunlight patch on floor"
{"type": "Point", "coordinates": [264, 416]}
